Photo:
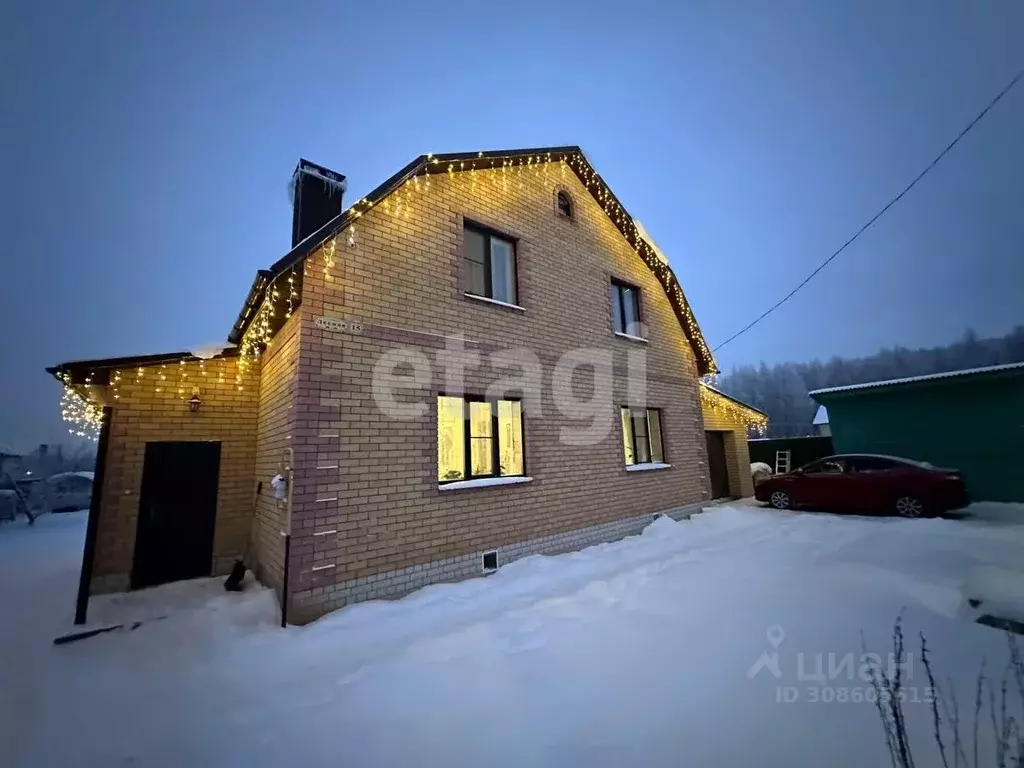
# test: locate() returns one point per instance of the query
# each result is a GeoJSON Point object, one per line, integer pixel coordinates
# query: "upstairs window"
{"type": "Point", "coordinates": [564, 204]}
{"type": "Point", "coordinates": [478, 438]}
{"type": "Point", "coordinates": [641, 436]}
{"type": "Point", "coordinates": [491, 264]}
{"type": "Point", "coordinates": [625, 308]}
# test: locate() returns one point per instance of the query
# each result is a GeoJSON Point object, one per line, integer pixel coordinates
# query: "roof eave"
{"type": "Point", "coordinates": [967, 374]}
{"type": "Point", "coordinates": [74, 367]}
{"type": "Point", "coordinates": [437, 164]}
{"type": "Point", "coordinates": [740, 403]}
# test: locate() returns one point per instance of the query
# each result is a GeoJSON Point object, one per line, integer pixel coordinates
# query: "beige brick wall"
{"type": "Point", "coordinates": [737, 452]}
{"type": "Point", "coordinates": [367, 501]}
{"type": "Point", "coordinates": [278, 376]}
{"type": "Point", "coordinates": [141, 415]}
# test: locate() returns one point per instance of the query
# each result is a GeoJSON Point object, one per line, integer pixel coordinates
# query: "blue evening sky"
{"type": "Point", "coordinates": [148, 146]}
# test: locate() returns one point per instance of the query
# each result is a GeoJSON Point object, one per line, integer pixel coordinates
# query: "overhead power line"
{"type": "Point", "coordinates": [879, 215]}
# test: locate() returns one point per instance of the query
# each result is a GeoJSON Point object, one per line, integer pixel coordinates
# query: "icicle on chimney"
{"type": "Point", "coordinates": [316, 198]}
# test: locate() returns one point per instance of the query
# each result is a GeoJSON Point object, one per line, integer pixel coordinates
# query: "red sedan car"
{"type": "Point", "coordinates": [867, 483]}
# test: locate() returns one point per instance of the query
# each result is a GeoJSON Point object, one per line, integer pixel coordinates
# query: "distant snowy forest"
{"type": "Point", "coordinates": [781, 390]}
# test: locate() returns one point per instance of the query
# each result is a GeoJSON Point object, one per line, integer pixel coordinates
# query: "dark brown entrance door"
{"type": "Point", "coordinates": [177, 512]}
{"type": "Point", "coordinates": [716, 465]}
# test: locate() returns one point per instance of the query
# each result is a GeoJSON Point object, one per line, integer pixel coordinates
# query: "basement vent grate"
{"type": "Point", "coordinates": [490, 561]}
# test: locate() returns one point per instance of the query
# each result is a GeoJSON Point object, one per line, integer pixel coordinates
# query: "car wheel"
{"type": "Point", "coordinates": [909, 506]}
{"type": "Point", "coordinates": [780, 500]}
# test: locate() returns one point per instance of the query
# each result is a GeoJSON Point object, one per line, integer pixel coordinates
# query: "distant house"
{"type": "Point", "coordinates": [10, 466]}
{"type": "Point", "coordinates": [971, 420]}
{"type": "Point", "coordinates": [821, 422]}
{"type": "Point", "coordinates": [502, 250]}
{"type": "Point", "coordinates": [10, 471]}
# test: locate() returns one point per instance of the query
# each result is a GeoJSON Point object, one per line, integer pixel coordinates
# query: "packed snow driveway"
{"type": "Point", "coordinates": [719, 641]}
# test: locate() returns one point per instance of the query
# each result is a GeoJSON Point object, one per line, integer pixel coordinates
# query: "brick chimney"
{"type": "Point", "coordinates": [316, 198]}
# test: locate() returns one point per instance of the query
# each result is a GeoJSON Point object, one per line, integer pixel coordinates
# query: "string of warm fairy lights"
{"type": "Point", "coordinates": [260, 332]}
{"type": "Point", "coordinates": [661, 269]}
{"type": "Point", "coordinates": [398, 201]}
{"type": "Point", "coordinates": [733, 411]}
{"type": "Point", "coordinates": [82, 404]}
{"type": "Point", "coordinates": [84, 416]}
{"type": "Point", "coordinates": [293, 294]}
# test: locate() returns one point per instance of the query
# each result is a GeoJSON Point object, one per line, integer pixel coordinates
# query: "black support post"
{"type": "Point", "coordinates": [284, 585]}
{"type": "Point", "coordinates": [89, 553]}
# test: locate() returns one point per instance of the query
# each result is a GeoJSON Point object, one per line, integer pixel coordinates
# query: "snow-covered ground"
{"type": "Point", "coordinates": [698, 643]}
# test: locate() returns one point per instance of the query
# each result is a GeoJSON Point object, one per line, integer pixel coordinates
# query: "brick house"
{"type": "Point", "coordinates": [398, 477]}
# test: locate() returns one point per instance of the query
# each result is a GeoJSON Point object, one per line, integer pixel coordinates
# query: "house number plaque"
{"type": "Point", "coordinates": [338, 324]}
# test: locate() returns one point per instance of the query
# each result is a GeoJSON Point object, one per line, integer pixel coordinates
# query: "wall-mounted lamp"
{"type": "Point", "coordinates": [194, 402]}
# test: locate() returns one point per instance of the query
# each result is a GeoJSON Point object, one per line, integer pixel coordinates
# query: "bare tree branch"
{"type": "Point", "coordinates": [977, 707]}
{"type": "Point", "coordinates": [936, 720]}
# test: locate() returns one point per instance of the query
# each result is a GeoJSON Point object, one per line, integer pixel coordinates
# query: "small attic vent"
{"type": "Point", "coordinates": [490, 561]}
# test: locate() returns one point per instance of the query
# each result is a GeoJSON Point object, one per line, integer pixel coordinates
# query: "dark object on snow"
{"type": "Point", "coordinates": [1007, 625]}
{"type": "Point", "coordinates": [76, 636]}
{"type": "Point", "coordinates": [233, 583]}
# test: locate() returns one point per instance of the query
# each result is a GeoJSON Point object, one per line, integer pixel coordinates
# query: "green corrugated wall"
{"type": "Point", "coordinates": [974, 423]}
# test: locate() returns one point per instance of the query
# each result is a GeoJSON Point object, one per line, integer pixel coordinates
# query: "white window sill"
{"type": "Point", "coordinates": [631, 337]}
{"type": "Point", "coordinates": [483, 482]}
{"type": "Point", "coordinates": [647, 466]}
{"type": "Point", "coordinates": [505, 304]}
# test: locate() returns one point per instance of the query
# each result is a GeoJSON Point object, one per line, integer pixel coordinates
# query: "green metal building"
{"type": "Point", "coordinates": [969, 420]}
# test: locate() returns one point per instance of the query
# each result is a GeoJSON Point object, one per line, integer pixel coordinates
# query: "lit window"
{"type": "Point", "coordinates": [451, 439]}
{"type": "Point", "coordinates": [641, 435]}
{"type": "Point", "coordinates": [510, 437]}
{"type": "Point", "coordinates": [478, 438]}
{"type": "Point", "coordinates": [564, 204]}
{"type": "Point", "coordinates": [625, 308]}
{"type": "Point", "coordinates": [481, 439]}
{"type": "Point", "coordinates": [490, 263]}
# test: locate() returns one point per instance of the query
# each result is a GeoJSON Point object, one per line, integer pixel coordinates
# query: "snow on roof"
{"type": "Point", "coordinates": [821, 417]}
{"type": "Point", "coordinates": [650, 241]}
{"type": "Point", "coordinates": [748, 406]}
{"type": "Point", "coordinates": [910, 379]}
{"type": "Point", "coordinates": [60, 475]}
{"type": "Point", "coordinates": [210, 350]}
